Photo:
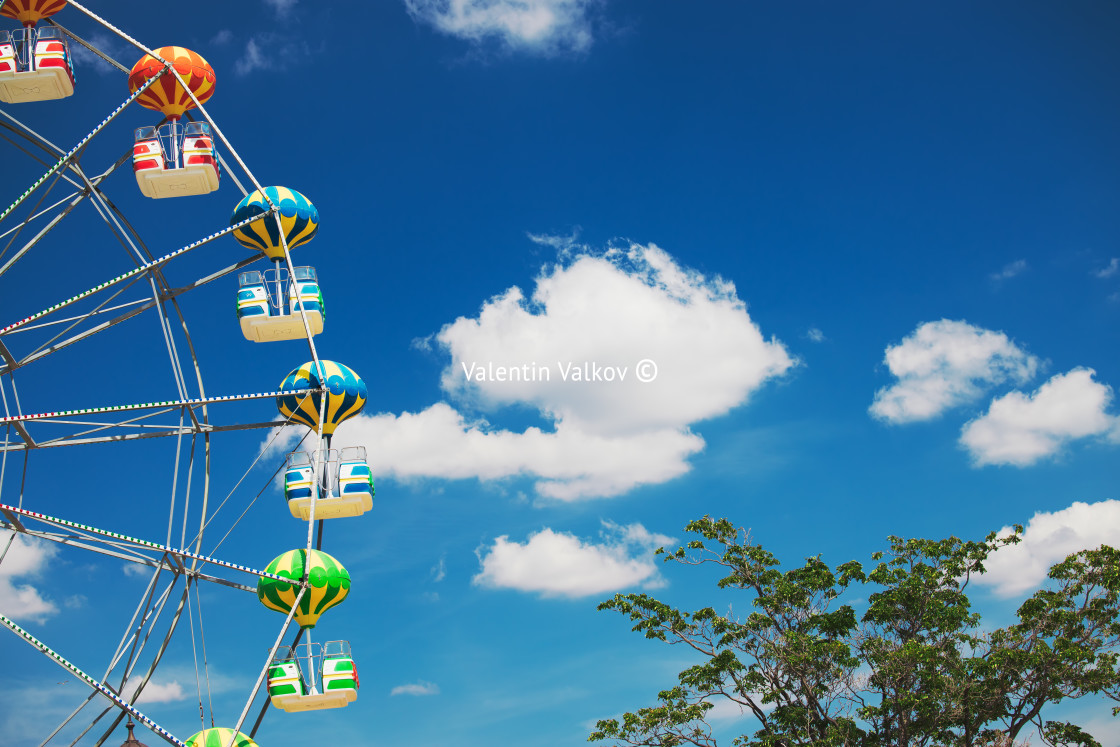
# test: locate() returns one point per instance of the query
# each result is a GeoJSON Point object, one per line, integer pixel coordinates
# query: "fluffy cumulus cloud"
{"type": "Point", "coordinates": [581, 351]}
{"type": "Point", "coordinates": [570, 463]}
{"type": "Point", "coordinates": [542, 26]}
{"type": "Point", "coordinates": [1048, 539]}
{"type": "Point", "coordinates": [156, 692]}
{"type": "Point", "coordinates": [556, 564]}
{"type": "Point", "coordinates": [944, 364]}
{"type": "Point", "coordinates": [614, 312]}
{"type": "Point", "coordinates": [26, 560]}
{"type": "Point", "coordinates": [1020, 429]}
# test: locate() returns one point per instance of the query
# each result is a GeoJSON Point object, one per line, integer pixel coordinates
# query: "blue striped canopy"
{"type": "Point", "coordinates": [346, 395]}
{"type": "Point", "coordinates": [298, 216]}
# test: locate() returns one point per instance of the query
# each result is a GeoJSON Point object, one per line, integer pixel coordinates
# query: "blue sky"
{"type": "Point", "coordinates": [871, 249]}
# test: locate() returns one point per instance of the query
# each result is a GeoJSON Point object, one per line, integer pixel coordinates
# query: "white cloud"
{"type": "Point", "coordinates": [272, 52]}
{"type": "Point", "coordinates": [439, 570]}
{"type": "Point", "coordinates": [1047, 539]}
{"type": "Point", "coordinates": [253, 59]}
{"type": "Point", "coordinates": [26, 558]}
{"type": "Point", "coordinates": [1010, 270]}
{"type": "Point", "coordinates": [815, 335]}
{"type": "Point", "coordinates": [155, 692]}
{"type": "Point", "coordinates": [1102, 727]}
{"type": "Point", "coordinates": [137, 570]}
{"type": "Point", "coordinates": [29, 711]}
{"type": "Point", "coordinates": [617, 309]}
{"type": "Point", "coordinates": [281, 7]}
{"type": "Point", "coordinates": [108, 45]}
{"type": "Point", "coordinates": [944, 364]}
{"type": "Point", "coordinates": [1107, 272]}
{"type": "Point", "coordinates": [557, 564]}
{"type": "Point", "coordinates": [725, 709]}
{"type": "Point", "coordinates": [608, 311]}
{"type": "Point", "coordinates": [559, 243]}
{"type": "Point", "coordinates": [223, 37]}
{"type": "Point", "coordinates": [542, 26]}
{"type": "Point", "coordinates": [1021, 429]}
{"type": "Point", "coordinates": [419, 688]}
{"type": "Point", "coordinates": [571, 464]}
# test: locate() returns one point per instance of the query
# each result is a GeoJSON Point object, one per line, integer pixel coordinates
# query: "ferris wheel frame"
{"type": "Point", "coordinates": [81, 317]}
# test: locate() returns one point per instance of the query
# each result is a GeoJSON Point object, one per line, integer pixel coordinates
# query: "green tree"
{"type": "Point", "coordinates": [916, 669]}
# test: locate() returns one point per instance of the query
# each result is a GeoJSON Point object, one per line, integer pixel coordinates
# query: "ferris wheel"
{"type": "Point", "coordinates": [92, 334]}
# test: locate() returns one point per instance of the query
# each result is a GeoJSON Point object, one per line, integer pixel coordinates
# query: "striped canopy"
{"type": "Point", "coordinates": [166, 94]}
{"type": "Point", "coordinates": [30, 12]}
{"type": "Point", "coordinates": [328, 581]}
{"type": "Point", "coordinates": [219, 738]}
{"type": "Point", "coordinates": [346, 395]}
{"type": "Point", "coordinates": [298, 217]}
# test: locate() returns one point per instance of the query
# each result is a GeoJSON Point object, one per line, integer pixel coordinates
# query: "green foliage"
{"type": "Point", "coordinates": [914, 670]}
